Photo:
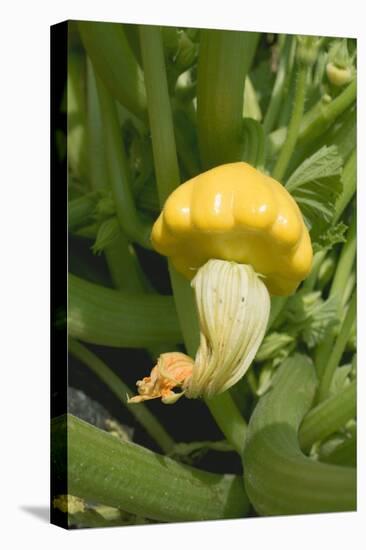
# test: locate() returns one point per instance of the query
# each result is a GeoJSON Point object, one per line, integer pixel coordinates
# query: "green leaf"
{"type": "Point", "coordinates": [340, 379]}
{"type": "Point", "coordinates": [265, 379]}
{"type": "Point", "coordinates": [279, 478]}
{"type": "Point", "coordinates": [333, 235]}
{"type": "Point", "coordinates": [275, 346]}
{"type": "Point", "coordinates": [310, 317]}
{"type": "Point", "coordinates": [316, 185]}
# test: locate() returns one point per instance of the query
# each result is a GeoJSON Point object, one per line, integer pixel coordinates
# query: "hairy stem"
{"type": "Point", "coordinates": [160, 113]}
{"type": "Point", "coordinates": [338, 350]}
{"type": "Point", "coordinates": [339, 284]}
{"type": "Point", "coordinates": [320, 118]}
{"type": "Point", "coordinates": [118, 172]}
{"type": "Point", "coordinates": [224, 60]}
{"type": "Point", "coordinates": [103, 469]}
{"type": "Point", "coordinates": [107, 317]}
{"type": "Point", "coordinates": [328, 416]}
{"type": "Point", "coordinates": [115, 64]}
{"type": "Point", "coordinates": [122, 263]}
{"type": "Point", "coordinates": [284, 158]}
{"type": "Point", "coordinates": [280, 85]}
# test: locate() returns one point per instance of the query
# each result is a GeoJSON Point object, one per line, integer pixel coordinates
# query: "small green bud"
{"type": "Point", "coordinates": [307, 49]}
{"type": "Point", "coordinates": [187, 52]}
{"type": "Point", "coordinates": [326, 98]}
{"type": "Point", "coordinates": [340, 68]}
{"type": "Point", "coordinates": [105, 207]}
{"type": "Point", "coordinates": [107, 232]}
{"type": "Point", "coordinates": [338, 77]}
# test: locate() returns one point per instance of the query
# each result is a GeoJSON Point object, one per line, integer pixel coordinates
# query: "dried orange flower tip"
{"type": "Point", "coordinates": [172, 370]}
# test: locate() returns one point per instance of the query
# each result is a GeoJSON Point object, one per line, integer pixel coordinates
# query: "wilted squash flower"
{"type": "Point", "coordinates": [239, 236]}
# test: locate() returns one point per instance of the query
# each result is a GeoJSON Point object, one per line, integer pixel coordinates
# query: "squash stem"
{"type": "Point", "coordinates": [118, 172]}
{"type": "Point", "coordinates": [101, 468]}
{"type": "Point", "coordinates": [284, 158]}
{"type": "Point", "coordinates": [318, 120]}
{"type": "Point", "coordinates": [281, 84]}
{"type": "Point", "coordinates": [328, 417]}
{"type": "Point", "coordinates": [338, 350]}
{"type": "Point", "coordinates": [115, 64]}
{"type": "Point", "coordinates": [339, 284]}
{"type": "Point", "coordinates": [222, 407]}
{"type": "Point", "coordinates": [224, 60]}
{"type": "Point", "coordinates": [279, 478]}
{"type": "Point", "coordinates": [123, 266]}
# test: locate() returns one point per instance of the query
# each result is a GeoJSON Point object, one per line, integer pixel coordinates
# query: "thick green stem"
{"type": "Point", "coordinates": [167, 176]}
{"type": "Point", "coordinates": [325, 124]}
{"type": "Point", "coordinates": [107, 317]}
{"type": "Point", "coordinates": [345, 454]}
{"type": "Point", "coordinates": [349, 177]}
{"type": "Point", "coordinates": [339, 284]}
{"type": "Point", "coordinates": [310, 282]}
{"type": "Point", "coordinates": [345, 262]}
{"type": "Point", "coordinates": [287, 150]}
{"type": "Point", "coordinates": [118, 172]}
{"type": "Point", "coordinates": [279, 478]}
{"type": "Point", "coordinates": [160, 113]}
{"type": "Point", "coordinates": [341, 133]}
{"type": "Point", "coordinates": [132, 35]}
{"type": "Point", "coordinates": [101, 468]}
{"type": "Point", "coordinates": [122, 263]}
{"type": "Point", "coordinates": [253, 142]}
{"type": "Point", "coordinates": [228, 418]}
{"type": "Point", "coordinates": [348, 290]}
{"type": "Point", "coordinates": [97, 169]}
{"type": "Point", "coordinates": [322, 116]}
{"type": "Point", "coordinates": [328, 417]}
{"type": "Point", "coordinates": [76, 113]}
{"type": "Point", "coordinates": [121, 390]}
{"type": "Point", "coordinates": [338, 350]}
{"type": "Point", "coordinates": [280, 85]}
{"type": "Point", "coordinates": [224, 61]}
{"type": "Point", "coordinates": [115, 64]}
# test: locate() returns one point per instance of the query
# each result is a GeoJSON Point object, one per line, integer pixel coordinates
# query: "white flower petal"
{"type": "Point", "coordinates": [233, 307]}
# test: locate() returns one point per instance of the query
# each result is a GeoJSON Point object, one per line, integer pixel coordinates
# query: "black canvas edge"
{"type": "Point", "coordinates": [58, 267]}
